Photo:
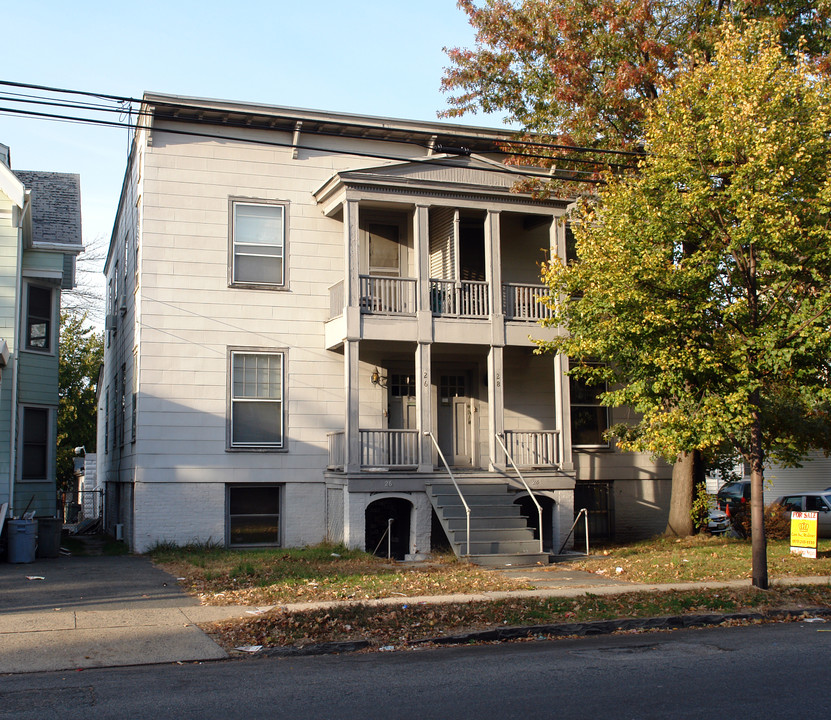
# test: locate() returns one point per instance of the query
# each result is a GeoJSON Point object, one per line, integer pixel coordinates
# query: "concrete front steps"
{"type": "Point", "coordinates": [499, 534]}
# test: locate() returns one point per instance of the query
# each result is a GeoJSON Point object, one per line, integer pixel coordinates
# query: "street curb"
{"type": "Point", "coordinates": [584, 629]}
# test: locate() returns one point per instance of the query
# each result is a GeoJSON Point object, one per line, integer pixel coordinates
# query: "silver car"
{"type": "Point", "coordinates": [818, 501]}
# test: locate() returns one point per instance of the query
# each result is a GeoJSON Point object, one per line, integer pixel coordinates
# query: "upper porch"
{"type": "Point", "coordinates": [441, 253]}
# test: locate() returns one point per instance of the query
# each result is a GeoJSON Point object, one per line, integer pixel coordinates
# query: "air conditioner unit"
{"type": "Point", "coordinates": [122, 309]}
{"type": "Point", "coordinates": [111, 322]}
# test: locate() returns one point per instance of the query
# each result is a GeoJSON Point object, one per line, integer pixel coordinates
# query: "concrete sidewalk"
{"type": "Point", "coordinates": [88, 612]}
{"type": "Point", "coordinates": [85, 612]}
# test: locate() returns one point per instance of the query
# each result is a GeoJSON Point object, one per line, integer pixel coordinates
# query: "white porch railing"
{"type": "Point", "coordinates": [337, 450]}
{"type": "Point", "coordinates": [389, 448]}
{"type": "Point", "coordinates": [466, 298]}
{"type": "Point", "coordinates": [538, 448]}
{"type": "Point", "coordinates": [525, 485]}
{"type": "Point", "coordinates": [391, 295]}
{"type": "Point", "coordinates": [522, 301]}
{"type": "Point", "coordinates": [336, 300]}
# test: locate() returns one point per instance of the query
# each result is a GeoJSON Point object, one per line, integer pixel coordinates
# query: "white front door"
{"type": "Point", "coordinates": [455, 420]}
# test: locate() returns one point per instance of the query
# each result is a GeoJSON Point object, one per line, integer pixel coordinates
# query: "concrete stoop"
{"type": "Point", "coordinates": [499, 534]}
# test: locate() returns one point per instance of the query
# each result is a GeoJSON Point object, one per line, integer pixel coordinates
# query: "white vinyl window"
{"type": "Point", "coordinates": [258, 244]}
{"type": "Point", "coordinates": [256, 400]}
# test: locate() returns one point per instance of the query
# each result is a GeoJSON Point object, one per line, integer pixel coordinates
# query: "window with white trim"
{"type": "Point", "coordinates": [257, 400]}
{"type": "Point", "coordinates": [39, 318]}
{"type": "Point", "coordinates": [258, 240]}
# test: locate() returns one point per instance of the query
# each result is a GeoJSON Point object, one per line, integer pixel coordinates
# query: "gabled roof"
{"type": "Point", "coordinates": [11, 186]}
{"type": "Point", "coordinates": [55, 208]}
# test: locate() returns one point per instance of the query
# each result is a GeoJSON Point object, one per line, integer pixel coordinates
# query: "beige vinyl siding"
{"type": "Point", "coordinates": [190, 317]}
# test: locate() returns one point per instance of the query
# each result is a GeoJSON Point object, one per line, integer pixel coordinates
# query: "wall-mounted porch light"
{"type": "Point", "coordinates": [377, 379]}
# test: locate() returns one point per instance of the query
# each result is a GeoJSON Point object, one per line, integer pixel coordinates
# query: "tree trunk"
{"type": "Point", "coordinates": [758, 543]}
{"type": "Point", "coordinates": [686, 474]}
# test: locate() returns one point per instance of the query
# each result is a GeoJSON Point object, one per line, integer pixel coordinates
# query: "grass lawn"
{"type": "Point", "coordinates": [324, 572]}
{"type": "Point", "coordinates": [665, 560]}
{"type": "Point", "coordinates": [274, 576]}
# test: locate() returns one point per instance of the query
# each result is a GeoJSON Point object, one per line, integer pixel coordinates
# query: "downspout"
{"type": "Point", "coordinates": [16, 357]}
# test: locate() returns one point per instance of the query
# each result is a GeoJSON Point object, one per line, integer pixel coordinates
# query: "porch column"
{"type": "Point", "coordinates": [562, 413]}
{"type": "Point", "coordinates": [424, 404]}
{"type": "Point", "coordinates": [562, 389]}
{"type": "Point", "coordinates": [421, 239]}
{"type": "Point", "coordinates": [351, 436]}
{"type": "Point", "coordinates": [351, 268]}
{"type": "Point", "coordinates": [496, 406]}
{"type": "Point", "coordinates": [493, 264]}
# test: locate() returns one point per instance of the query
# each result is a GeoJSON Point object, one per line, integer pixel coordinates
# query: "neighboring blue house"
{"type": "Point", "coordinates": [40, 237]}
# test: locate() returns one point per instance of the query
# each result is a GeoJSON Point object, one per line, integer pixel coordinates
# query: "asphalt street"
{"type": "Point", "coordinates": [773, 670]}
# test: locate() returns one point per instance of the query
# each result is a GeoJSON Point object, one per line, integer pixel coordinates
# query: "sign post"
{"type": "Point", "coordinates": [804, 534]}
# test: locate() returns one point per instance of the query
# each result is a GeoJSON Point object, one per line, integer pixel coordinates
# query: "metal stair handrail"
{"type": "Point", "coordinates": [584, 513]}
{"type": "Point", "coordinates": [429, 434]}
{"type": "Point", "coordinates": [528, 489]}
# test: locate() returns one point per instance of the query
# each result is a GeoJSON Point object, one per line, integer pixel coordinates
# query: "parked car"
{"type": "Point", "coordinates": [718, 522]}
{"type": "Point", "coordinates": [818, 501]}
{"type": "Point", "coordinates": [733, 497]}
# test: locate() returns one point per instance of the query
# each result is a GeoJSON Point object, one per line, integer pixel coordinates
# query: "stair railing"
{"type": "Point", "coordinates": [528, 489]}
{"type": "Point", "coordinates": [427, 433]}
{"type": "Point", "coordinates": [584, 513]}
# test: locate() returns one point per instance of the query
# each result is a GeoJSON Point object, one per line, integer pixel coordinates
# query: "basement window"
{"type": "Point", "coordinates": [253, 515]}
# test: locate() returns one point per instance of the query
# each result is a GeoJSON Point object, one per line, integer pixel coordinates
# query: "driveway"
{"type": "Point", "coordinates": [81, 612]}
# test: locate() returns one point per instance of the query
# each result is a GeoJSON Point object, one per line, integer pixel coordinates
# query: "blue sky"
{"type": "Point", "coordinates": [372, 57]}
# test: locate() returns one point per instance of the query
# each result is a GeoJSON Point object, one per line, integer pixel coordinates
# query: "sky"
{"type": "Point", "coordinates": [374, 57]}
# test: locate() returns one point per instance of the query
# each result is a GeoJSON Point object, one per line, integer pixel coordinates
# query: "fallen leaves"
{"type": "Point", "coordinates": [400, 625]}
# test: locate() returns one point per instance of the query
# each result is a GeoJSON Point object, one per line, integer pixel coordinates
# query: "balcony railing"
{"type": "Point", "coordinates": [466, 298]}
{"type": "Point", "coordinates": [336, 300]}
{"type": "Point", "coordinates": [337, 450]}
{"type": "Point", "coordinates": [522, 302]}
{"type": "Point", "coordinates": [388, 295]}
{"type": "Point", "coordinates": [538, 448]}
{"type": "Point", "coordinates": [387, 449]}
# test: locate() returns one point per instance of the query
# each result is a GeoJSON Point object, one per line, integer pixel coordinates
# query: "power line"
{"type": "Point", "coordinates": [529, 143]}
{"type": "Point", "coordinates": [565, 175]}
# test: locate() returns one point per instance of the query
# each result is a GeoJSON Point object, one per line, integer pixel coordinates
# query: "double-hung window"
{"type": "Point", "coordinates": [258, 241]}
{"type": "Point", "coordinates": [257, 400]}
{"type": "Point", "coordinates": [35, 443]}
{"type": "Point", "coordinates": [39, 319]}
{"type": "Point", "coordinates": [589, 419]}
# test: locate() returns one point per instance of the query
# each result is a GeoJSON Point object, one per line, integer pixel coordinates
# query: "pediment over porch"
{"type": "Point", "coordinates": [448, 177]}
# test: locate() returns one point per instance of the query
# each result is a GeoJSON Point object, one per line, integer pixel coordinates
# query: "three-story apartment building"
{"type": "Point", "coordinates": [319, 327]}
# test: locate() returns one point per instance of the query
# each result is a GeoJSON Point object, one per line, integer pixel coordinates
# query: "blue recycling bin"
{"type": "Point", "coordinates": [22, 540]}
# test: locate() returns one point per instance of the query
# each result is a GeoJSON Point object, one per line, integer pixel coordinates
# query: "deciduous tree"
{"type": "Point", "coordinates": [581, 74]}
{"type": "Point", "coordinates": [81, 355]}
{"type": "Point", "coordinates": [705, 277]}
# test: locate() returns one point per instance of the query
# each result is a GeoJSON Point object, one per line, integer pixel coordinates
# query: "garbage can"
{"type": "Point", "coordinates": [49, 537]}
{"type": "Point", "coordinates": [22, 540]}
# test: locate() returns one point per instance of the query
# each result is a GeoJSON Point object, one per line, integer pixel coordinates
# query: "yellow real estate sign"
{"type": "Point", "coordinates": [804, 534]}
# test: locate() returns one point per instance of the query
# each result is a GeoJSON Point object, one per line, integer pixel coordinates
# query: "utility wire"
{"type": "Point", "coordinates": [529, 143]}
{"type": "Point", "coordinates": [566, 175]}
